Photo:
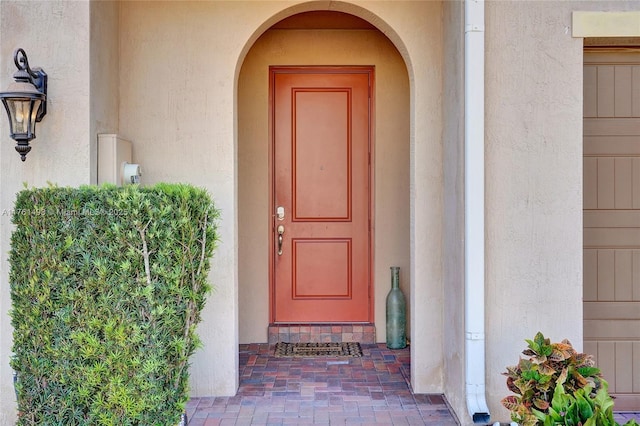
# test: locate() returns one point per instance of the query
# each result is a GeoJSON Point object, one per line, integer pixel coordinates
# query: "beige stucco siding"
{"type": "Point", "coordinates": [533, 165]}
{"type": "Point", "coordinates": [453, 205]}
{"type": "Point", "coordinates": [533, 187]}
{"type": "Point", "coordinates": [178, 68]}
{"type": "Point", "coordinates": [61, 151]}
{"type": "Point", "coordinates": [104, 74]}
{"type": "Point", "coordinates": [533, 182]}
{"type": "Point", "coordinates": [166, 75]}
{"type": "Point", "coordinates": [177, 73]}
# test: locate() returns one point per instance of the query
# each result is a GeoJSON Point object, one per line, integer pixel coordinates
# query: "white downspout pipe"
{"type": "Point", "coordinates": [474, 210]}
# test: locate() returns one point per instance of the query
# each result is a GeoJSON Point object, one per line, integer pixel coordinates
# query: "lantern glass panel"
{"type": "Point", "coordinates": [23, 115]}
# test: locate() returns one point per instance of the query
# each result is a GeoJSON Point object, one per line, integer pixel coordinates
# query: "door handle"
{"type": "Point", "coordinates": [280, 239]}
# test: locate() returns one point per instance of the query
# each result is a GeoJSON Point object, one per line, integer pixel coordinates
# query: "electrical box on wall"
{"type": "Point", "coordinates": [115, 161]}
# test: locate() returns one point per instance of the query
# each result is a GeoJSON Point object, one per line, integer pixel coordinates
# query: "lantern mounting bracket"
{"type": "Point", "coordinates": [35, 76]}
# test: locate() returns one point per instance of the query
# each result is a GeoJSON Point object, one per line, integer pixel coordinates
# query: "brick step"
{"type": "Point", "coordinates": [322, 333]}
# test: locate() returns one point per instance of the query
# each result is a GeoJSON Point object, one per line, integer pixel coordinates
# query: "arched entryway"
{"type": "Point", "coordinates": [415, 147]}
{"type": "Point", "coordinates": [323, 38]}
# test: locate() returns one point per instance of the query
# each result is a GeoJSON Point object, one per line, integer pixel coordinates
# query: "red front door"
{"type": "Point", "coordinates": [321, 135]}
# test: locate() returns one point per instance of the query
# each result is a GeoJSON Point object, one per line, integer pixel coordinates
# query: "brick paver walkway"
{"type": "Point", "coordinates": [282, 391]}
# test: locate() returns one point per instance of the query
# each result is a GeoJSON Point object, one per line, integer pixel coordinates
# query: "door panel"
{"type": "Point", "coordinates": [321, 119]}
{"type": "Point", "coordinates": [321, 269]}
{"type": "Point", "coordinates": [612, 220]}
{"type": "Point", "coordinates": [321, 155]}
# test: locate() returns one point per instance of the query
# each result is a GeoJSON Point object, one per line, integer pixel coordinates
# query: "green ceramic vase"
{"type": "Point", "coordinates": [396, 313]}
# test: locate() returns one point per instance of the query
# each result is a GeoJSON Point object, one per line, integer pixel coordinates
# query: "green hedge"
{"type": "Point", "coordinates": [107, 286]}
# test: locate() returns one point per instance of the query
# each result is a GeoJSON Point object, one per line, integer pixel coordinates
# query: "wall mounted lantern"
{"type": "Point", "coordinates": [25, 102]}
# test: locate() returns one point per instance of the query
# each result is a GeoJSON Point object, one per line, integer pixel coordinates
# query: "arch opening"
{"type": "Point", "coordinates": [322, 37]}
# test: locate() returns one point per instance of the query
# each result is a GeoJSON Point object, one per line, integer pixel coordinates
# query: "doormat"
{"type": "Point", "coordinates": [346, 349]}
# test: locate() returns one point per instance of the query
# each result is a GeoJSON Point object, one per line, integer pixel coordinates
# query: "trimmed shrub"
{"type": "Point", "coordinates": [107, 286]}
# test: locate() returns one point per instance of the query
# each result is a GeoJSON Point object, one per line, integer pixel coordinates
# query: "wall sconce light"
{"type": "Point", "coordinates": [25, 101]}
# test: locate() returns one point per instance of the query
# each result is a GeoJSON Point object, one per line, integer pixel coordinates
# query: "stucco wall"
{"type": "Point", "coordinates": [391, 149]}
{"type": "Point", "coordinates": [533, 182]}
{"type": "Point", "coordinates": [105, 82]}
{"type": "Point", "coordinates": [533, 188]}
{"type": "Point", "coordinates": [177, 73]}
{"type": "Point", "coordinates": [453, 220]}
{"type": "Point", "coordinates": [60, 151]}
{"type": "Point", "coordinates": [178, 68]}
